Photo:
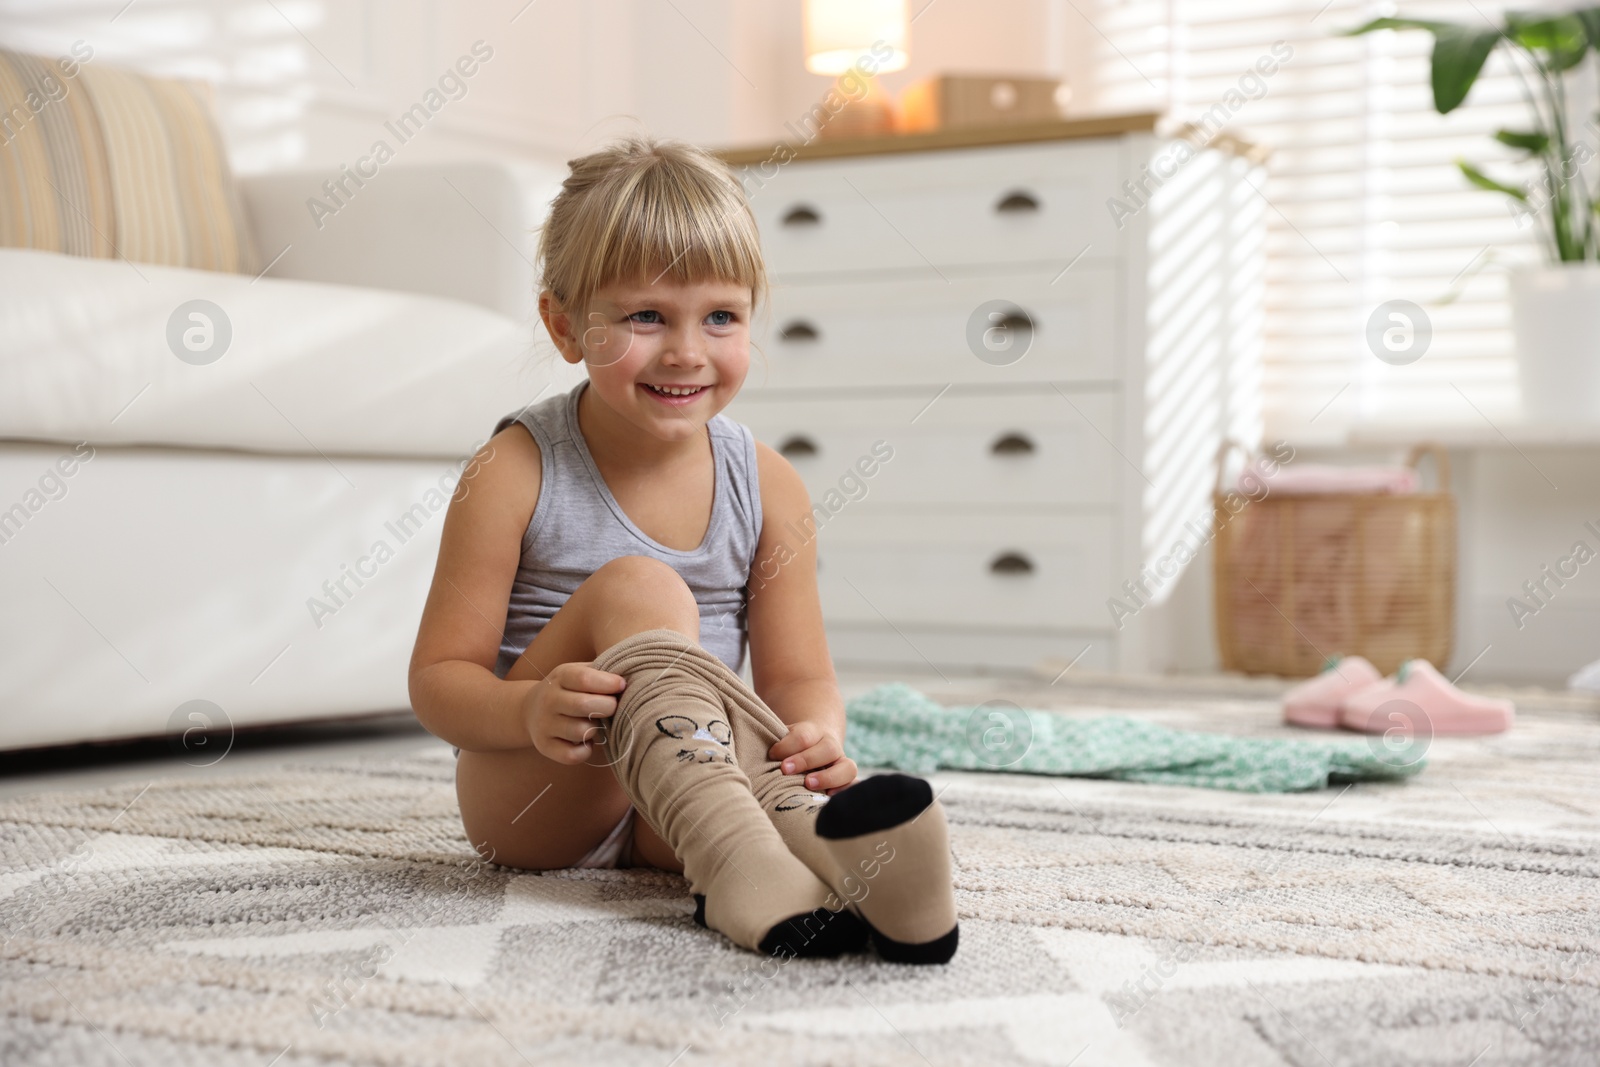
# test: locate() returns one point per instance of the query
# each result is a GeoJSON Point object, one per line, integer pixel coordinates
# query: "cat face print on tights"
{"type": "Point", "coordinates": [715, 739]}
{"type": "Point", "coordinates": [804, 801]}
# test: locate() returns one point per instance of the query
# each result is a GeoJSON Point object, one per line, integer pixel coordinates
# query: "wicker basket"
{"type": "Point", "coordinates": [1300, 577]}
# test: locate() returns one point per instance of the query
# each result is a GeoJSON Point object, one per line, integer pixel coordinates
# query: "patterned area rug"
{"type": "Point", "coordinates": [337, 916]}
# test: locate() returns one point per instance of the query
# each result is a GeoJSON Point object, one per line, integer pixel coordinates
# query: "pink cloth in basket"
{"type": "Point", "coordinates": [1324, 478]}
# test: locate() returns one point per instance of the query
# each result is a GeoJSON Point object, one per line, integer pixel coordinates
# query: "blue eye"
{"type": "Point", "coordinates": [648, 311]}
{"type": "Point", "coordinates": [726, 321]}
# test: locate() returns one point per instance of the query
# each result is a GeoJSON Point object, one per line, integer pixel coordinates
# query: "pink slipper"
{"type": "Point", "coordinates": [1429, 704]}
{"type": "Point", "coordinates": [1316, 701]}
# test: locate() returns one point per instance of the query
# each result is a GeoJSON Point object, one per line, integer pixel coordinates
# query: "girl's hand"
{"type": "Point", "coordinates": [815, 751]}
{"type": "Point", "coordinates": [563, 712]}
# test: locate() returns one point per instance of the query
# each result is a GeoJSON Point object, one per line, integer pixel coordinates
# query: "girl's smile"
{"type": "Point", "coordinates": [675, 395]}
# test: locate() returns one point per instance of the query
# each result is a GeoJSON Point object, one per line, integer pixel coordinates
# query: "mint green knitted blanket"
{"type": "Point", "coordinates": [895, 726]}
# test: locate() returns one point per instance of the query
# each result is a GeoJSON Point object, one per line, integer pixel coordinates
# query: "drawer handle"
{"type": "Point", "coordinates": [1017, 201]}
{"type": "Point", "coordinates": [1011, 563]}
{"type": "Point", "coordinates": [1014, 320]}
{"type": "Point", "coordinates": [798, 330]}
{"type": "Point", "coordinates": [1012, 444]}
{"type": "Point", "coordinates": [802, 215]}
{"type": "Point", "coordinates": [798, 445]}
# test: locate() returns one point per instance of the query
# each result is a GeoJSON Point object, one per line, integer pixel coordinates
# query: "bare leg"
{"type": "Point", "coordinates": [525, 810]}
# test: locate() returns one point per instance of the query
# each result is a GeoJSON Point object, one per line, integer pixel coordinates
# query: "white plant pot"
{"type": "Point", "coordinates": [1555, 313]}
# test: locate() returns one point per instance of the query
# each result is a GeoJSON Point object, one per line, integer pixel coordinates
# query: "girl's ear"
{"type": "Point", "coordinates": [559, 325]}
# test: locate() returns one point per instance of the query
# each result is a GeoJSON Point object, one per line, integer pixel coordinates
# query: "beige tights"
{"type": "Point", "coordinates": [770, 863]}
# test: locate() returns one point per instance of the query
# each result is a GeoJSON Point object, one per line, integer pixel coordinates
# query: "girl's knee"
{"type": "Point", "coordinates": [637, 569]}
{"type": "Point", "coordinates": [647, 580]}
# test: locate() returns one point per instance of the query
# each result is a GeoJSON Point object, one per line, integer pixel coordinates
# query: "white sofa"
{"type": "Point", "coordinates": [176, 529]}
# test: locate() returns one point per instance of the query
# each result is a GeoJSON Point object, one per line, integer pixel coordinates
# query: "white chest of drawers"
{"type": "Point", "coordinates": [1047, 372]}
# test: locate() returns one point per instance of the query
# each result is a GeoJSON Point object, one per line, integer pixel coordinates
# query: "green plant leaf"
{"type": "Point", "coordinates": [1534, 141]}
{"type": "Point", "coordinates": [1562, 40]}
{"type": "Point", "coordinates": [1459, 53]}
{"type": "Point", "coordinates": [1566, 59]}
{"type": "Point", "coordinates": [1483, 181]}
{"type": "Point", "coordinates": [1590, 17]}
{"type": "Point", "coordinates": [1403, 24]}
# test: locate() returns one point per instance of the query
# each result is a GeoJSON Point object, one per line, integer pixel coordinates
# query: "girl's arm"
{"type": "Point", "coordinates": [790, 666]}
{"type": "Point", "coordinates": [454, 690]}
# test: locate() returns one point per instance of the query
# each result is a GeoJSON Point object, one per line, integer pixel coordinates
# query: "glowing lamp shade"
{"type": "Point", "coordinates": [839, 32]}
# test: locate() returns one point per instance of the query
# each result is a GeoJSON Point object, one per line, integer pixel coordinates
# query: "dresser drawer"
{"type": "Point", "coordinates": [972, 650]}
{"type": "Point", "coordinates": [966, 570]}
{"type": "Point", "coordinates": [928, 210]}
{"type": "Point", "coordinates": [1036, 448]}
{"type": "Point", "coordinates": [917, 332]}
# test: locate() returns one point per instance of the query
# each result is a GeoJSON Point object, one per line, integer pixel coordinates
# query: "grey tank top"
{"type": "Point", "coordinates": [578, 525]}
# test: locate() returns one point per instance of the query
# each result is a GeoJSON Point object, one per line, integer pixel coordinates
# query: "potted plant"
{"type": "Point", "coordinates": [1555, 309]}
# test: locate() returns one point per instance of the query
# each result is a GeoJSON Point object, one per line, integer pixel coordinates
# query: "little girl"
{"type": "Point", "coordinates": [625, 504]}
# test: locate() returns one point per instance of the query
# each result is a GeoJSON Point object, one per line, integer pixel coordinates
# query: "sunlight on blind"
{"type": "Point", "coordinates": [1365, 203]}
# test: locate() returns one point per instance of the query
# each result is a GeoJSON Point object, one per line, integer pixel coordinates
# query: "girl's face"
{"type": "Point", "coordinates": [641, 335]}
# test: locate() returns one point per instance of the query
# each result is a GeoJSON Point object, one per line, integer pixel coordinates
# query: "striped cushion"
{"type": "Point", "coordinates": [111, 163]}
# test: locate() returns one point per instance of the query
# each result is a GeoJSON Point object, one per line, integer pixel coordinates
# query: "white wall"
{"type": "Point", "coordinates": [311, 82]}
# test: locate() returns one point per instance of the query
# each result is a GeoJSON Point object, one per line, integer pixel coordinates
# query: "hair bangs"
{"type": "Point", "coordinates": [651, 210]}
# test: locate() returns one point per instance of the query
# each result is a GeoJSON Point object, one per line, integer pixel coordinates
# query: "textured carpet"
{"type": "Point", "coordinates": [337, 916]}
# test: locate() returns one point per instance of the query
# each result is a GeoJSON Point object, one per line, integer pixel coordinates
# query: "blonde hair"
{"type": "Point", "coordinates": [642, 207]}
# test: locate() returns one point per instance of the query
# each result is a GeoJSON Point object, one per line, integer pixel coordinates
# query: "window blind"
{"type": "Point", "coordinates": [1366, 204]}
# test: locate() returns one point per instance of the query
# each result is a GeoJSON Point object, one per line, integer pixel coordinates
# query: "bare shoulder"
{"type": "Point", "coordinates": [783, 491]}
{"type": "Point", "coordinates": [500, 484]}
